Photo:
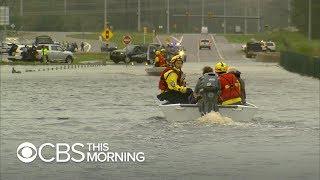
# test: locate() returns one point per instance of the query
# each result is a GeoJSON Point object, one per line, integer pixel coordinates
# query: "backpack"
{"type": "Point", "coordinates": [210, 83]}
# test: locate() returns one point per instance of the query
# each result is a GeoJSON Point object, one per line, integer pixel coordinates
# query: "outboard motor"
{"type": "Point", "coordinates": [209, 91]}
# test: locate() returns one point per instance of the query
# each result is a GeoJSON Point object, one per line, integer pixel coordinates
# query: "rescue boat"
{"type": "Point", "coordinates": [154, 71]}
{"type": "Point", "coordinates": [190, 112]}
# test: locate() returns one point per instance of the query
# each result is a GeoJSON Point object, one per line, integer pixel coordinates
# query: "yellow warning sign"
{"type": "Point", "coordinates": [107, 34]}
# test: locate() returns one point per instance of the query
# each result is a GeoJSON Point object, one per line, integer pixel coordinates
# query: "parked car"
{"type": "Point", "coordinates": [4, 47]}
{"type": "Point", "coordinates": [43, 40]}
{"type": "Point", "coordinates": [56, 53]}
{"type": "Point", "coordinates": [271, 46]}
{"type": "Point", "coordinates": [252, 48]}
{"type": "Point", "coordinates": [15, 52]}
{"type": "Point", "coordinates": [204, 43]}
{"type": "Point", "coordinates": [137, 53]}
{"type": "Point", "coordinates": [243, 47]}
{"type": "Point", "coordinates": [108, 47]}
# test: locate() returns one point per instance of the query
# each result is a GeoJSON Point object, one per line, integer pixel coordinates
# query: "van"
{"type": "Point", "coordinates": [204, 30]}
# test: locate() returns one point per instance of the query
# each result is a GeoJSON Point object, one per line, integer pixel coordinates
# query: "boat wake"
{"type": "Point", "coordinates": [215, 118]}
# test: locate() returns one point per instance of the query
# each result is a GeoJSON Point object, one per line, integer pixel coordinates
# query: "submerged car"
{"type": "Point", "coordinates": [137, 53]}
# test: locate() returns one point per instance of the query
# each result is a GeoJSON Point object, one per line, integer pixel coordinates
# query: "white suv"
{"type": "Point", "coordinates": [56, 53]}
{"type": "Point", "coordinates": [271, 46]}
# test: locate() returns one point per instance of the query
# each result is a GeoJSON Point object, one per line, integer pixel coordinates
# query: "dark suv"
{"type": "Point", "coordinates": [252, 48]}
{"type": "Point", "coordinates": [43, 40]}
{"type": "Point", "coordinates": [137, 53]}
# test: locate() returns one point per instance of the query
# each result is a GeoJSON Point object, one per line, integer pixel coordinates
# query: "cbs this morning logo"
{"type": "Point", "coordinates": [77, 152]}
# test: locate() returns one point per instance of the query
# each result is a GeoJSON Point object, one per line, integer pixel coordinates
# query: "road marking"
{"type": "Point", "coordinates": [179, 41]}
{"type": "Point", "coordinates": [215, 45]}
{"type": "Point", "coordinates": [157, 37]}
{"type": "Point", "coordinates": [89, 46]}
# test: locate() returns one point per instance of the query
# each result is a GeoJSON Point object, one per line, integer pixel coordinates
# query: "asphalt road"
{"type": "Point", "coordinates": [221, 48]}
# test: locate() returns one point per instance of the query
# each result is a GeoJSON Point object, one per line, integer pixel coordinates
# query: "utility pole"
{"type": "Point", "coordinates": [224, 19]}
{"type": "Point", "coordinates": [65, 7]}
{"type": "Point", "coordinates": [289, 13]}
{"type": "Point", "coordinates": [245, 17]}
{"type": "Point", "coordinates": [168, 16]}
{"type": "Point", "coordinates": [309, 21]}
{"type": "Point", "coordinates": [105, 14]}
{"type": "Point", "coordinates": [139, 16]}
{"type": "Point", "coordinates": [21, 7]}
{"type": "Point", "coordinates": [259, 16]}
{"type": "Point", "coordinates": [202, 13]}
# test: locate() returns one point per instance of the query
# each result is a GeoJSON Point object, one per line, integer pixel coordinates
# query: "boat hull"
{"type": "Point", "coordinates": [154, 71]}
{"type": "Point", "coordinates": [190, 112]}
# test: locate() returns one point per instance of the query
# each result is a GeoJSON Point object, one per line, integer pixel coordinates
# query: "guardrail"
{"type": "Point", "coordinates": [302, 64]}
{"type": "Point", "coordinates": [72, 66]}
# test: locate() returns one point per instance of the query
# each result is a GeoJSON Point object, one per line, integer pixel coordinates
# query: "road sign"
{"type": "Point", "coordinates": [126, 39]}
{"type": "Point", "coordinates": [107, 34]}
{"type": "Point", "coordinates": [4, 15]}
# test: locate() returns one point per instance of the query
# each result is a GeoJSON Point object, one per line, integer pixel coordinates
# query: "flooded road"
{"type": "Point", "coordinates": [116, 104]}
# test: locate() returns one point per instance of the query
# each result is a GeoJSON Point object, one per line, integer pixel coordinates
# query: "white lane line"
{"type": "Point", "coordinates": [178, 40]}
{"type": "Point", "coordinates": [174, 38]}
{"type": "Point", "coordinates": [181, 39]}
{"type": "Point", "coordinates": [217, 48]}
{"type": "Point", "coordinates": [89, 46]}
{"type": "Point", "coordinates": [157, 37]}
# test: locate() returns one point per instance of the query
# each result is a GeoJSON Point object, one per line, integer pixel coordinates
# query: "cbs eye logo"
{"type": "Point", "coordinates": [26, 152]}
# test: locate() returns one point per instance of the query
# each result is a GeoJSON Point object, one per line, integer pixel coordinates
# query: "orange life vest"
{"type": "Point", "coordinates": [163, 86]}
{"type": "Point", "coordinates": [162, 61]}
{"type": "Point", "coordinates": [230, 87]}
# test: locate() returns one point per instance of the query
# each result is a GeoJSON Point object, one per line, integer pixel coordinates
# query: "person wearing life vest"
{"type": "Point", "coordinates": [237, 73]}
{"type": "Point", "coordinates": [172, 83]}
{"type": "Point", "coordinates": [160, 60]}
{"type": "Point", "coordinates": [207, 91]}
{"type": "Point", "coordinates": [230, 86]}
{"type": "Point", "coordinates": [44, 54]}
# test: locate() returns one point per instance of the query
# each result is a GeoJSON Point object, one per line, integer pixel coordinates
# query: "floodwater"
{"type": "Point", "coordinates": [116, 104]}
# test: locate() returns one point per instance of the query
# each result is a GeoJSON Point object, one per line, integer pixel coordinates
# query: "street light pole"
{"type": "Point", "coordinates": [245, 17]}
{"type": "Point", "coordinates": [139, 16]}
{"type": "Point", "coordinates": [65, 7]}
{"type": "Point", "coordinates": [105, 13]}
{"type": "Point", "coordinates": [21, 7]}
{"type": "Point", "coordinates": [202, 11]}
{"type": "Point", "coordinates": [259, 16]}
{"type": "Point", "coordinates": [309, 21]}
{"type": "Point", "coordinates": [289, 13]}
{"type": "Point", "coordinates": [224, 19]}
{"type": "Point", "coordinates": [168, 16]}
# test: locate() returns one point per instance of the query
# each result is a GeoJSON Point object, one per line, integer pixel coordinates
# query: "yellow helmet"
{"type": "Point", "coordinates": [163, 50]}
{"type": "Point", "coordinates": [221, 67]}
{"type": "Point", "coordinates": [176, 58]}
{"type": "Point", "coordinates": [157, 52]}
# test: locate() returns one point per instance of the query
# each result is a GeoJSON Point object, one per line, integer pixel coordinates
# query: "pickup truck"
{"type": "Point", "coordinates": [56, 53]}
